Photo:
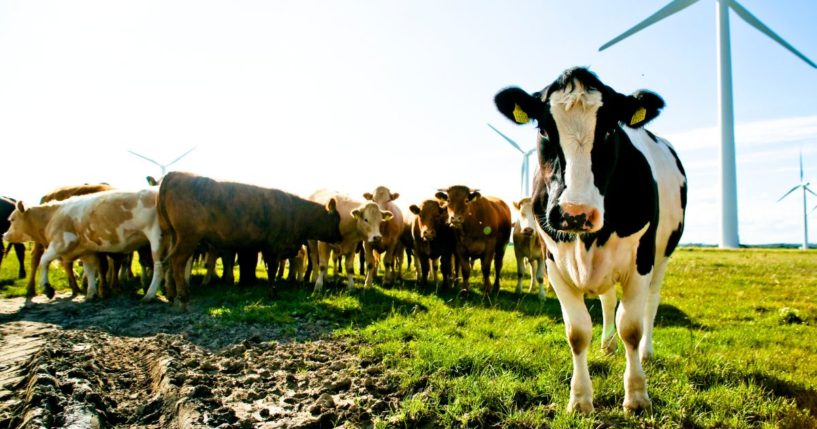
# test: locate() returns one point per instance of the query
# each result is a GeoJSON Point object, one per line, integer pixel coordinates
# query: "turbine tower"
{"type": "Point", "coordinates": [163, 167]}
{"type": "Point", "coordinates": [729, 196]}
{"type": "Point", "coordinates": [805, 187]}
{"type": "Point", "coordinates": [525, 187]}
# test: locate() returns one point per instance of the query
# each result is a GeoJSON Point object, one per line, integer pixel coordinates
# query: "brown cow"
{"type": "Point", "coordinates": [58, 194]}
{"type": "Point", "coordinates": [434, 240]}
{"type": "Point", "coordinates": [527, 245]}
{"type": "Point", "coordinates": [195, 209]}
{"type": "Point", "coordinates": [483, 229]}
{"type": "Point", "coordinates": [390, 230]}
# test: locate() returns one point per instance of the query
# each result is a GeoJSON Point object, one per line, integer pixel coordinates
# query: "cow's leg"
{"type": "Point", "coordinates": [3, 252]}
{"type": "Point", "coordinates": [36, 256]}
{"type": "Point", "coordinates": [228, 264]}
{"type": "Point", "coordinates": [350, 269]}
{"type": "Point", "coordinates": [424, 268]}
{"type": "Point", "coordinates": [498, 256]}
{"type": "Point", "coordinates": [272, 262]}
{"type": "Point", "coordinates": [630, 321]}
{"type": "Point", "coordinates": [180, 254]}
{"type": "Point", "coordinates": [49, 255]}
{"type": "Point", "coordinates": [465, 267]}
{"type": "Point", "coordinates": [579, 330]}
{"type": "Point", "coordinates": [520, 268]}
{"type": "Point", "coordinates": [371, 266]}
{"type": "Point", "coordinates": [445, 266]}
{"type": "Point", "coordinates": [68, 267]}
{"type": "Point", "coordinates": [388, 266]}
{"type": "Point", "coordinates": [435, 267]}
{"type": "Point", "coordinates": [540, 277]}
{"type": "Point", "coordinates": [653, 299]}
{"type": "Point", "coordinates": [320, 259]}
{"type": "Point", "coordinates": [209, 268]}
{"type": "Point", "coordinates": [485, 263]}
{"type": "Point", "coordinates": [608, 317]}
{"type": "Point", "coordinates": [91, 267]}
{"type": "Point", "coordinates": [156, 255]}
{"type": "Point", "coordinates": [20, 250]}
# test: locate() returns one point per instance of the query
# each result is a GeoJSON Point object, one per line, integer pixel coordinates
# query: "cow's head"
{"type": "Point", "coordinates": [456, 200]}
{"type": "Point", "coordinates": [381, 195]}
{"type": "Point", "coordinates": [579, 120]}
{"type": "Point", "coordinates": [527, 220]}
{"type": "Point", "coordinates": [18, 221]}
{"type": "Point", "coordinates": [332, 226]}
{"type": "Point", "coordinates": [430, 216]}
{"type": "Point", "coordinates": [369, 217]}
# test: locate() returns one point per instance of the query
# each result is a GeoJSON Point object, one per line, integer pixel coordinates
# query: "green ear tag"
{"type": "Point", "coordinates": [638, 116]}
{"type": "Point", "coordinates": [519, 115]}
{"type": "Point", "coordinates": [487, 230]}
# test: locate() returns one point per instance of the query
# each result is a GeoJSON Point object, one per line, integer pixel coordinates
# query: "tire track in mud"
{"type": "Point", "coordinates": [119, 364]}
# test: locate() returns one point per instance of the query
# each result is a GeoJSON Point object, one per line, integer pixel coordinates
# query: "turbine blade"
{"type": "Point", "coordinates": [508, 139]}
{"type": "Point", "coordinates": [801, 165]}
{"type": "Point", "coordinates": [144, 157]}
{"type": "Point", "coordinates": [180, 157]}
{"type": "Point", "coordinates": [530, 152]}
{"type": "Point", "coordinates": [754, 22]}
{"type": "Point", "coordinates": [670, 9]}
{"type": "Point", "coordinates": [812, 210]}
{"type": "Point", "coordinates": [809, 190]}
{"type": "Point", "coordinates": [787, 193]}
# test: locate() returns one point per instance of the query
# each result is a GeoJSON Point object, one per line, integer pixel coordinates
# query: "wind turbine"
{"type": "Point", "coordinates": [729, 197]}
{"type": "Point", "coordinates": [525, 187]}
{"type": "Point", "coordinates": [163, 166]}
{"type": "Point", "coordinates": [805, 187]}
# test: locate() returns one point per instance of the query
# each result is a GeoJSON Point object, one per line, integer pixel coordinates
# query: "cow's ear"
{"type": "Point", "coordinates": [21, 207]}
{"type": "Point", "coordinates": [394, 195]}
{"type": "Point", "coordinates": [414, 209]}
{"type": "Point", "coordinates": [640, 108]}
{"type": "Point", "coordinates": [517, 204]}
{"type": "Point", "coordinates": [356, 213]}
{"type": "Point", "coordinates": [442, 196]}
{"type": "Point", "coordinates": [387, 216]}
{"type": "Point", "coordinates": [519, 106]}
{"type": "Point", "coordinates": [473, 196]}
{"type": "Point", "coordinates": [368, 196]}
{"type": "Point", "coordinates": [332, 206]}
{"type": "Point", "coordinates": [152, 181]}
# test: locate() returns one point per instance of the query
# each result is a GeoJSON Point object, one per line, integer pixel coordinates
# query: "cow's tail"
{"type": "Point", "coordinates": [168, 233]}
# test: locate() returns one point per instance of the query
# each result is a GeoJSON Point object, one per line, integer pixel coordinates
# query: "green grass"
{"type": "Point", "coordinates": [735, 343]}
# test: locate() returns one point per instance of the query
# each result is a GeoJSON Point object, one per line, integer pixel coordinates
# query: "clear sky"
{"type": "Point", "coordinates": [348, 95]}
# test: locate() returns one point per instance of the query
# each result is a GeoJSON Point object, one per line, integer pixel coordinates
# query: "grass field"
{"type": "Point", "coordinates": [735, 343]}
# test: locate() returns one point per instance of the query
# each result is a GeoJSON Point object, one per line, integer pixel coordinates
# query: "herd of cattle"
{"type": "Point", "coordinates": [607, 208]}
{"type": "Point", "coordinates": [185, 213]}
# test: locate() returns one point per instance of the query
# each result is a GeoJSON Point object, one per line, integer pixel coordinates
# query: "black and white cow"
{"type": "Point", "coordinates": [610, 199]}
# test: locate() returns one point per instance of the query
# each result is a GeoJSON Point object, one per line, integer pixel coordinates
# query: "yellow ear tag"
{"type": "Point", "coordinates": [638, 116]}
{"type": "Point", "coordinates": [519, 115]}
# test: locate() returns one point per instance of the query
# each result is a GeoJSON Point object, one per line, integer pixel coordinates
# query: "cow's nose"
{"type": "Point", "coordinates": [578, 217]}
{"type": "Point", "coordinates": [455, 220]}
{"type": "Point", "coordinates": [428, 235]}
{"type": "Point", "coordinates": [527, 231]}
{"type": "Point", "coordinates": [376, 239]}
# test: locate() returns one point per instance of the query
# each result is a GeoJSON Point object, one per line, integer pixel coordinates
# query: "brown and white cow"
{"type": "Point", "coordinates": [83, 226]}
{"type": "Point", "coordinates": [609, 200]}
{"type": "Point", "coordinates": [483, 230]}
{"type": "Point", "coordinates": [58, 194]}
{"type": "Point", "coordinates": [528, 246]}
{"type": "Point", "coordinates": [390, 231]}
{"type": "Point", "coordinates": [434, 241]}
{"type": "Point", "coordinates": [359, 221]}
{"type": "Point", "coordinates": [195, 209]}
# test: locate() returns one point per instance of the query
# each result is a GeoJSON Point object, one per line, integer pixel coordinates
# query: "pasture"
{"type": "Point", "coordinates": [735, 342]}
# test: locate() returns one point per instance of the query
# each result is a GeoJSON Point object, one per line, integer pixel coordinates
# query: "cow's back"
{"type": "Point", "coordinates": [221, 213]}
{"type": "Point", "coordinates": [6, 208]}
{"type": "Point", "coordinates": [66, 192]}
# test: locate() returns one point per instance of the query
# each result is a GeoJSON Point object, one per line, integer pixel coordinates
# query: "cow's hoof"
{"type": "Point", "coordinates": [637, 403]}
{"type": "Point", "coordinates": [147, 299]}
{"type": "Point", "coordinates": [29, 302]}
{"type": "Point", "coordinates": [21, 275]}
{"type": "Point", "coordinates": [542, 297]}
{"type": "Point", "coordinates": [609, 345]}
{"type": "Point", "coordinates": [48, 291]}
{"type": "Point", "coordinates": [580, 405]}
{"type": "Point", "coordinates": [180, 306]}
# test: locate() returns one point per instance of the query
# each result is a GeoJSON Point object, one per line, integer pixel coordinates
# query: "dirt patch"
{"type": "Point", "coordinates": [107, 365]}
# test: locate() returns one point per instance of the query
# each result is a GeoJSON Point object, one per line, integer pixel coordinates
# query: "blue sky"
{"type": "Point", "coordinates": [350, 95]}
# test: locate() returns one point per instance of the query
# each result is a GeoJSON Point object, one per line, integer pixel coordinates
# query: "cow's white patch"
{"type": "Point", "coordinates": [68, 237]}
{"type": "Point", "coordinates": [574, 112]}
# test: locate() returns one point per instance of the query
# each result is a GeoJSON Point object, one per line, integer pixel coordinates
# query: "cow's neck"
{"type": "Point", "coordinates": [38, 218]}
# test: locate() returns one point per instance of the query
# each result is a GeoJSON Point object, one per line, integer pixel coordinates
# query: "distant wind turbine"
{"type": "Point", "coordinates": [805, 187]}
{"type": "Point", "coordinates": [525, 187]}
{"type": "Point", "coordinates": [163, 167]}
{"type": "Point", "coordinates": [729, 197]}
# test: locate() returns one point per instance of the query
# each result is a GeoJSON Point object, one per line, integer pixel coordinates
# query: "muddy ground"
{"type": "Point", "coordinates": [119, 363]}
